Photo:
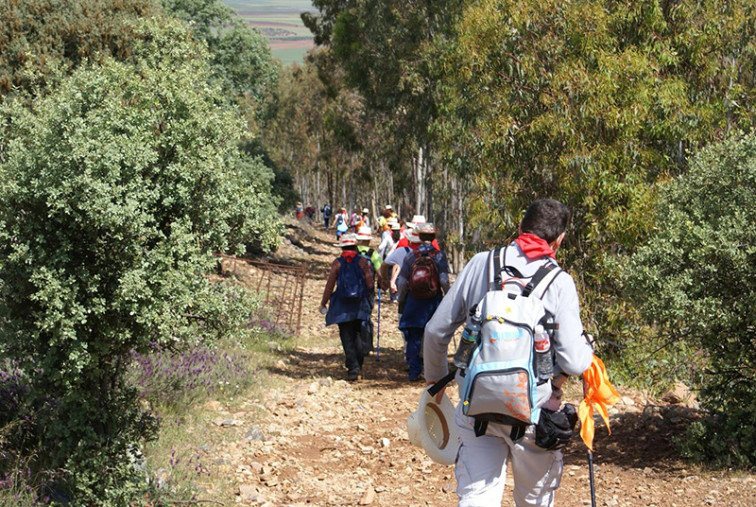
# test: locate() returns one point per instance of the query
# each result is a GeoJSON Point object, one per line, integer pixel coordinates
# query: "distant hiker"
{"type": "Point", "coordinates": [349, 304]}
{"type": "Point", "coordinates": [499, 410]}
{"type": "Point", "coordinates": [393, 263]}
{"type": "Point", "coordinates": [364, 236]}
{"type": "Point", "coordinates": [327, 214]}
{"type": "Point", "coordinates": [365, 218]}
{"type": "Point", "coordinates": [386, 248]}
{"type": "Point", "coordinates": [389, 239]}
{"type": "Point", "coordinates": [299, 211]}
{"type": "Point", "coordinates": [422, 282]}
{"type": "Point", "coordinates": [342, 222]}
{"type": "Point", "coordinates": [310, 212]}
{"type": "Point", "coordinates": [354, 220]}
{"type": "Point", "coordinates": [383, 220]}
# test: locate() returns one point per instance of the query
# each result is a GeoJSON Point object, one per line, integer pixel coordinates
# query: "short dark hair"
{"type": "Point", "coordinates": [427, 236]}
{"type": "Point", "coordinates": [546, 218]}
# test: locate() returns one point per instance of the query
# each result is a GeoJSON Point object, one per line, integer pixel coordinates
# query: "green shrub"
{"type": "Point", "coordinates": [115, 188]}
{"type": "Point", "coordinates": [696, 280]}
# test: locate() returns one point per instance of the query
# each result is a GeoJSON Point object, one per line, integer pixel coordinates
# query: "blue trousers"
{"type": "Point", "coordinates": [414, 337]}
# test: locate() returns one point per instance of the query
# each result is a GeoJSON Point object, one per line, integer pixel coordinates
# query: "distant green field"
{"type": "Point", "coordinates": [280, 22]}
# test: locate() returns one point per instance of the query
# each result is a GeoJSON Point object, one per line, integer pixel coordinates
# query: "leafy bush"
{"type": "Point", "coordinates": [696, 279]}
{"type": "Point", "coordinates": [115, 187]}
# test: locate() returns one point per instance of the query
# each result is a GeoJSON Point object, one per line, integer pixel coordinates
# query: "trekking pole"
{"type": "Point", "coordinates": [590, 460]}
{"type": "Point", "coordinates": [378, 347]}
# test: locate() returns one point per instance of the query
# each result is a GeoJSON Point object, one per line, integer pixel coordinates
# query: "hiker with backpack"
{"type": "Point", "coordinates": [364, 236]}
{"type": "Point", "coordinates": [523, 337]}
{"type": "Point", "coordinates": [393, 263]}
{"type": "Point", "coordinates": [341, 222]}
{"type": "Point", "coordinates": [327, 214]}
{"type": "Point", "coordinates": [354, 220]}
{"type": "Point", "coordinates": [389, 239]}
{"type": "Point", "coordinates": [423, 280]}
{"type": "Point", "coordinates": [349, 305]}
{"type": "Point", "coordinates": [365, 218]}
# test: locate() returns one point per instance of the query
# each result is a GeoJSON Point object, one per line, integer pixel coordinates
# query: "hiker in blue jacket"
{"type": "Point", "coordinates": [349, 304]}
{"type": "Point", "coordinates": [422, 282]}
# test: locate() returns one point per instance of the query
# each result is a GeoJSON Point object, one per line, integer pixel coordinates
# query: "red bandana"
{"type": "Point", "coordinates": [349, 255]}
{"type": "Point", "coordinates": [534, 247]}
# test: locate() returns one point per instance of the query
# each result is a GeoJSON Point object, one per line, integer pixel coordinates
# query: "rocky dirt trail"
{"type": "Point", "coordinates": [319, 440]}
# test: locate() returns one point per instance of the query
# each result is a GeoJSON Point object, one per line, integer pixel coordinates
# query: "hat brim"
{"type": "Point", "coordinates": [432, 427]}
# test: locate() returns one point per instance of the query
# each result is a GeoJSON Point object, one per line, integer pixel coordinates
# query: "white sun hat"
{"type": "Point", "coordinates": [416, 220]}
{"type": "Point", "coordinates": [347, 240]}
{"type": "Point", "coordinates": [365, 210]}
{"type": "Point", "coordinates": [432, 427]}
{"type": "Point", "coordinates": [364, 233]}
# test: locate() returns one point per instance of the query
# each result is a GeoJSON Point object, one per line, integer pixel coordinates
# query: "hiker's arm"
{"type": "Point", "coordinates": [402, 279]}
{"type": "Point", "coordinates": [383, 276]}
{"type": "Point", "coordinates": [443, 272]}
{"type": "Point", "coordinates": [330, 283]}
{"type": "Point", "coordinates": [394, 276]}
{"type": "Point", "coordinates": [573, 353]}
{"type": "Point", "coordinates": [469, 288]}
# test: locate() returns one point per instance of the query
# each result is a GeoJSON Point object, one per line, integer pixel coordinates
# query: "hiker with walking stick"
{"type": "Point", "coordinates": [523, 336]}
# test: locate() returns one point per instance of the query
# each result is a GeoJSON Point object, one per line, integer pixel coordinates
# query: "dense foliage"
{"type": "Point", "coordinates": [115, 188]}
{"type": "Point", "coordinates": [40, 40]}
{"type": "Point", "coordinates": [696, 277]}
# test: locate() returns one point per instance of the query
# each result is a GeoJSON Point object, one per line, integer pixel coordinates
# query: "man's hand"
{"type": "Point", "coordinates": [323, 310]}
{"type": "Point", "coordinates": [394, 290]}
{"type": "Point", "coordinates": [440, 394]}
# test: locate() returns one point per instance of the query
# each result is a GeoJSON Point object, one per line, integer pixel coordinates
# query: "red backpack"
{"type": "Point", "coordinates": [424, 282]}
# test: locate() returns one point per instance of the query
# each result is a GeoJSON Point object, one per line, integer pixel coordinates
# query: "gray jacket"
{"type": "Point", "coordinates": [573, 353]}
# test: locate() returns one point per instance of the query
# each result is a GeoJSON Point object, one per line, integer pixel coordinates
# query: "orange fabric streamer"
{"type": "Point", "coordinates": [599, 393]}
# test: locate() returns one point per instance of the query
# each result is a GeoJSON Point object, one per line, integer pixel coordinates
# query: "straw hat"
{"type": "Point", "coordinates": [425, 228]}
{"type": "Point", "coordinates": [364, 233]}
{"type": "Point", "coordinates": [416, 220]}
{"type": "Point", "coordinates": [412, 236]}
{"type": "Point", "coordinates": [432, 427]}
{"type": "Point", "coordinates": [347, 240]}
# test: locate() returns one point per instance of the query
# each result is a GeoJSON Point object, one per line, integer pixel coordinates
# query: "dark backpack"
{"type": "Point", "coordinates": [351, 285]}
{"type": "Point", "coordinates": [327, 211]}
{"type": "Point", "coordinates": [424, 282]}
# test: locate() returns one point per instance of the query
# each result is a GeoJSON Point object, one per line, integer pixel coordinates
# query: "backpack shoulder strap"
{"type": "Point", "coordinates": [497, 263]}
{"type": "Point", "coordinates": [542, 279]}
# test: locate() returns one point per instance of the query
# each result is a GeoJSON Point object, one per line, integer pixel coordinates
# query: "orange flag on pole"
{"type": "Point", "coordinates": [599, 393]}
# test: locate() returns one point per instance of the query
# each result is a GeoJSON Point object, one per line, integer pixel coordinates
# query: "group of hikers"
{"type": "Point", "coordinates": [408, 264]}
{"type": "Point", "coordinates": [522, 338]}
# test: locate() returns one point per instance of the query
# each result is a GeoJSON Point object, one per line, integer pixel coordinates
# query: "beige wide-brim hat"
{"type": "Point", "coordinates": [364, 233]}
{"type": "Point", "coordinates": [347, 240]}
{"type": "Point", "coordinates": [416, 220]}
{"type": "Point", "coordinates": [432, 427]}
